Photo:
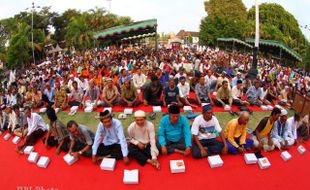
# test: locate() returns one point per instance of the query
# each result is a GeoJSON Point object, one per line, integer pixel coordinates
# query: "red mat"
{"type": "Point", "coordinates": [18, 173]}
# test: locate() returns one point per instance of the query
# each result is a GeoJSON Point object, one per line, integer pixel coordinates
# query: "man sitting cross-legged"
{"type": "Point", "coordinates": [114, 144]}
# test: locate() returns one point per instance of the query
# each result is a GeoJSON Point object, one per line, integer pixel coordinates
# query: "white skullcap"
{"type": "Point", "coordinates": [283, 112]}
{"type": "Point", "coordinates": [139, 113]}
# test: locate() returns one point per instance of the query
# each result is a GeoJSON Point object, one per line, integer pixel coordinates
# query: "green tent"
{"type": "Point", "coordinates": [234, 42]}
{"type": "Point", "coordinates": [277, 48]}
{"type": "Point", "coordinates": [134, 30]}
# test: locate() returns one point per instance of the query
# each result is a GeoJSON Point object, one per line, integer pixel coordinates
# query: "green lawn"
{"type": "Point", "coordinates": [89, 120]}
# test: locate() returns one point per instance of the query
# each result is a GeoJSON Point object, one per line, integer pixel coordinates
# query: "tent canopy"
{"type": "Point", "coordinates": [277, 48]}
{"type": "Point", "coordinates": [234, 41]}
{"type": "Point", "coordinates": [134, 30]}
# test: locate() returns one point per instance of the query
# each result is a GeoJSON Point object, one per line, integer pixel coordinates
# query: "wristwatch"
{"type": "Point", "coordinates": [80, 152]}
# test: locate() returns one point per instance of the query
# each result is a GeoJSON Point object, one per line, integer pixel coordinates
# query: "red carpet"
{"type": "Point", "coordinates": [18, 172]}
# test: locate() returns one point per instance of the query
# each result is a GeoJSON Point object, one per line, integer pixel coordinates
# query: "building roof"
{"type": "Point", "coordinates": [183, 33]}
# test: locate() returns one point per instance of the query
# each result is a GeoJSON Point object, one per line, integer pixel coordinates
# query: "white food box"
{"type": "Point", "coordinates": [177, 166]}
{"type": "Point", "coordinates": [188, 109]}
{"type": "Point", "coordinates": [131, 177]}
{"type": "Point", "coordinates": [7, 137]}
{"type": "Point", "coordinates": [16, 140]}
{"type": "Point", "coordinates": [215, 161]}
{"type": "Point", "coordinates": [28, 149]}
{"type": "Point", "coordinates": [74, 108]}
{"type": "Point", "coordinates": [33, 157]}
{"type": "Point", "coordinates": [263, 163]}
{"type": "Point", "coordinates": [42, 110]}
{"type": "Point", "coordinates": [227, 108]}
{"type": "Point", "coordinates": [301, 149]}
{"type": "Point", "coordinates": [69, 159]}
{"type": "Point", "coordinates": [108, 164]}
{"type": "Point", "coordinates": [88, 109]}
{"type": "Point", "coordinates": [250, 158]}
{"type": "Point", "coordinates": [128, 111]}
{"type": "Point", "coordinates": [286, 156]}
{"type": "Point", "coordinates": [108, 108]}
{"type": "Point", "coordinates": [43, 162]}
{"type": "Point", "coordinates": [156, 109]}
{"type": "Point", "coordinates": [264, 108]}
{"type": "Point", "coordinates": [269, 107]}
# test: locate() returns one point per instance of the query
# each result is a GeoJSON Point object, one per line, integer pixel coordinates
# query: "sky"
{"type": "Point", "coordinates": [172, 15]}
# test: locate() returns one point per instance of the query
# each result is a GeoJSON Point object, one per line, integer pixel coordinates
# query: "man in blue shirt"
{"type": "Point", "coordinates": [174, 133]}
{"type": "Point", "coordinates": [114, 144]}
{"type": "Point", "coordinates": [254, 93]}
{"type": "Point", "coordinates": [171, 94]}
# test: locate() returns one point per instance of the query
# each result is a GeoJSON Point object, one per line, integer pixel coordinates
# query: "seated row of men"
{"type": "Point", "coordinates": [154, 93]}
{"type": "Point", "coordinates": [174, 135]}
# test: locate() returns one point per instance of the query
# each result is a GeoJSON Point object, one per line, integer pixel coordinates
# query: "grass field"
{"type": "Point", "coordinates": [89, 119]}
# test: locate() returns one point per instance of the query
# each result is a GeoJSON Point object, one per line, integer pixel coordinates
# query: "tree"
{"type": "Point", "coordinates": [19, 47]}
{"type": "Point", "coordinates": [306, 60]}
{"type": "Point", "coordinates": [226, 18]}
{"type": "Point", "coordinates": [278, 24]}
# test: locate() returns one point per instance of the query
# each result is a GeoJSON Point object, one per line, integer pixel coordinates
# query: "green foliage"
{"type": "Point", "coordinates": [226, 18]}
{"type": "Point", "coordinates": [18, 50]}
{"type": "Point", "coordinates": [306, 60]}
{"type": "Point", "coordinates": [278, 24]}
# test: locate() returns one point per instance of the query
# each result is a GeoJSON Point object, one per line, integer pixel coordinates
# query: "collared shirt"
{"type": "Point", "coordinates": [20, 120]}
{"type": "Point", "coordinates": [174, 132]}
{"type": "Point", "coordinates": [291, 124]}
{"type": "Point", "coordinates": [202, 90]}
{"type": "Point", "coordinates": [112, 135]}
{"type": "Point", "coordinates": [184, 90]}
{"type": "Point", "coordinates": [35, 122]}
{"type": "Point", "coordinates": [235, 130]}
{"type": "Point", "coordinates": [236, 93]}
{"type": "Point", "coordinates": [93, 93]}
{"type": "Point", "coordinates": [50, 94]}
{"type": "Point", "coordinates": [210, 80]}
{"type": "Point", "coordinates": [109, 93]}
{"type": "Point", "coordinates": [77, 95]}
{"type": "Point", "coordinates": [86, 136]}
{"type": "Point", "coordinates": [129, 93]}
{"type": "Point", "coordinates": [253, 92]}
{"type": "Point", "coordinates": [59, 130]}
{"type": "Point", "coordinates": [224, 94]}
{"type": "Point", "coordinates": [143, 134]}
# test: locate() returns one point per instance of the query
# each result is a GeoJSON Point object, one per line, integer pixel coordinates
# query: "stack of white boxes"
{"type": "Point", "coordinates": [188, 109]}
{"type": "Point", "coordinates": [16, 140]}
{"type": "Point", "coordinates": [156, 109]}
{"type": "Point", "coordinates": [28, 149]}
{"type": "Point", "coordinates": [128, 111]}
{"type": "Point", "coordinates": [7, 136]}
{"type": "Point", "coordinates": [89, 109]}
{"type": "Point", "coordinates": [43, 162]}
{"type": "Point", "coordinates": [131, 177]}
{"type": "Point", "coordinates": [177, 166]}
{"type": "Point", "coordinates": [69, 159]}
{"type": "Point", "coordinates": [33, 157]}
{"type": "Point", "coordinates": [263, 163]}
{"type": "Point", "coordinates": [250, 158]}
{"type": "Point", "coordinates": [108, 164]}
{"type": "Point", "coordinates": [301, 149]}
{"type": "Point", "coordinates": [286, 156]}
{"type": "Point", "coordinates": [215, 161]}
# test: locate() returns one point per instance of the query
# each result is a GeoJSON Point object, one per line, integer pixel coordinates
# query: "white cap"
{"type": "Point", "coordinates": [139, 113]}
{"type": "Point", "coordinates": [283, 112]}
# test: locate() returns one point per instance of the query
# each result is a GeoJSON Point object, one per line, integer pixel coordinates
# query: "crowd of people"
{"type": "Point", "coordinates": [167, 77]}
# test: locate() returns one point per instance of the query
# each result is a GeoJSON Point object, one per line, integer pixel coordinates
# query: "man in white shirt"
{"type": "Point", "coordinates": [210, 80]}
{"type": "Point", "coordinates": [142, 140]}
{"type": "Point", "coordinates": [205, 129]}
{"type": "Point", "coordinates": [292, 124]}
{"type": "Point", "coordinates": [36, 129]}
{"type": "Point", "coordinates": [237, 94]}
{"type": "Point", "coordinates": [264, 93]}
{"type": "Point", "coordinates": [184, 89]}
{"type": "Point", "coordinates": [139, 79]}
